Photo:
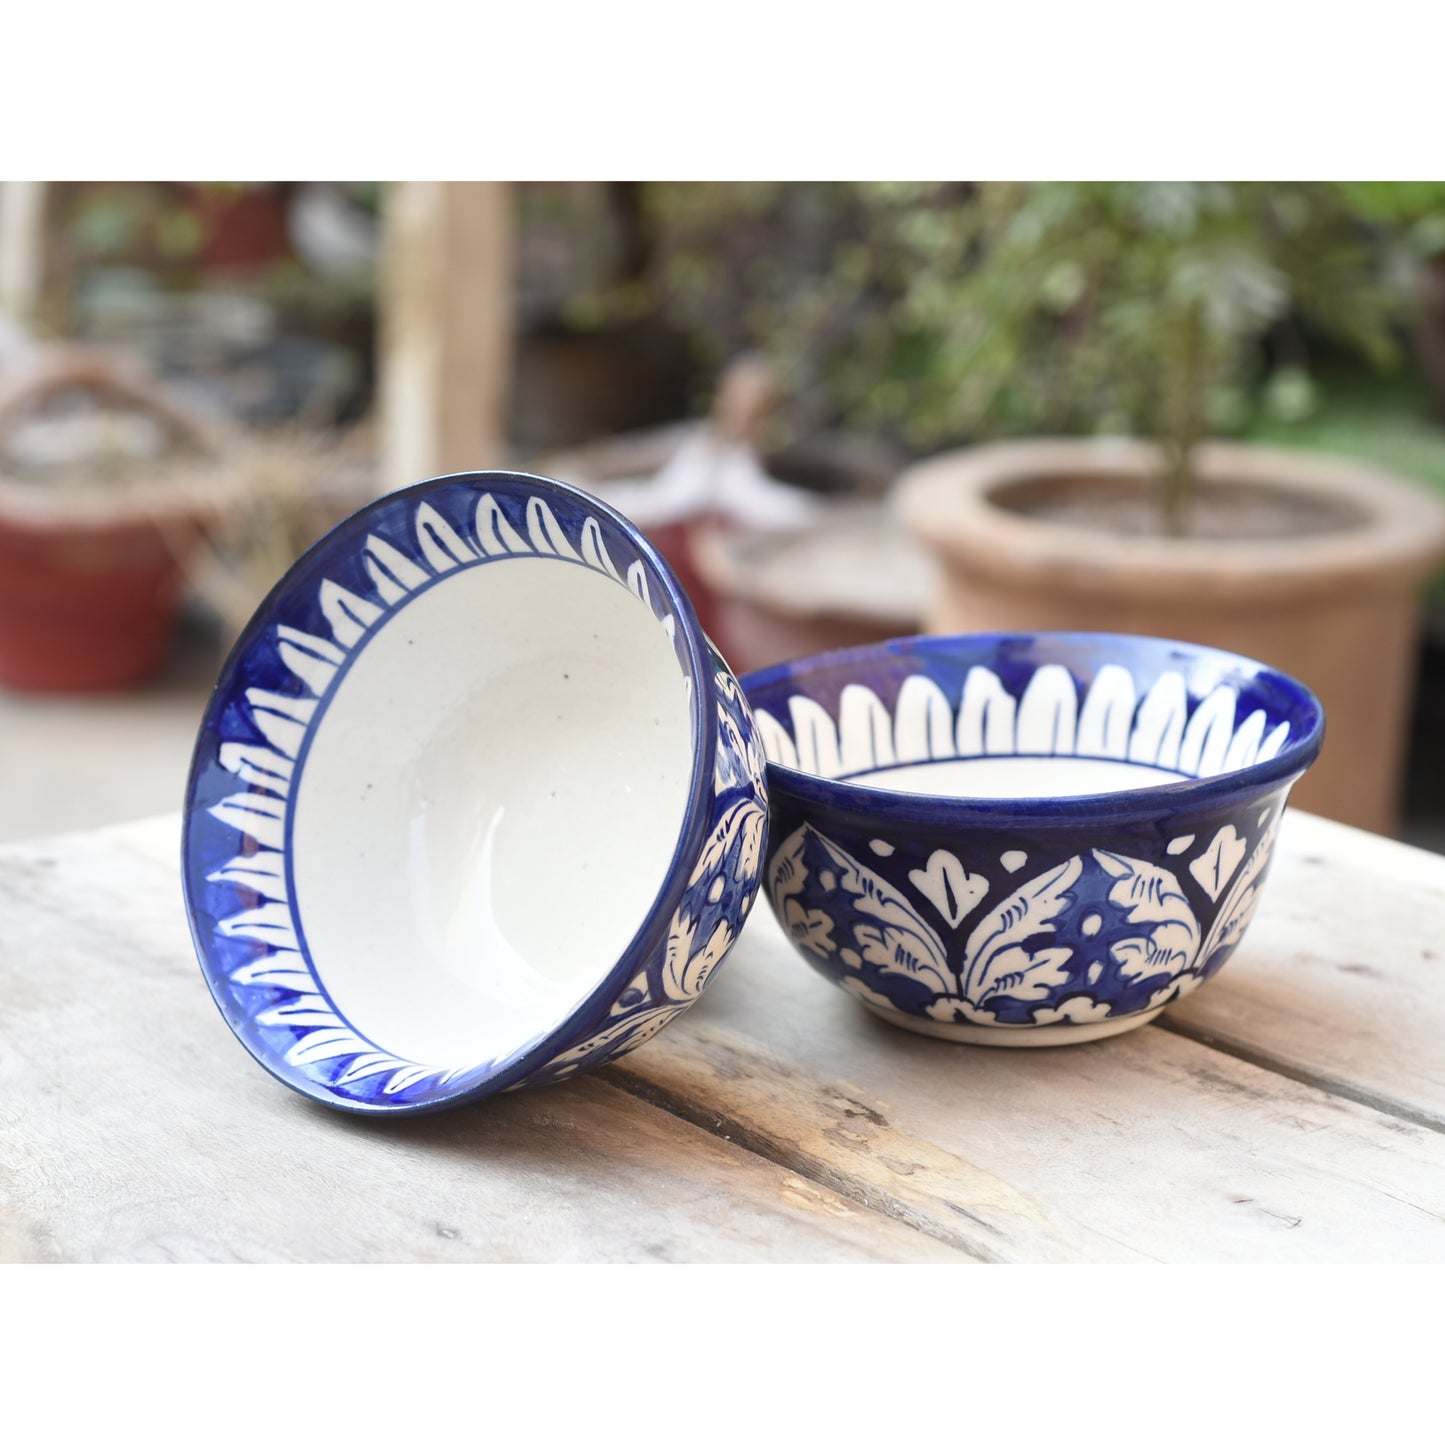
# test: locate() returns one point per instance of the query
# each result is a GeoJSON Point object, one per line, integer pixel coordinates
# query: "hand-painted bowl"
{"type": "Point", "coordinates": [1030, 839]}
{"type": "Point", "coordinates": [475, 804]}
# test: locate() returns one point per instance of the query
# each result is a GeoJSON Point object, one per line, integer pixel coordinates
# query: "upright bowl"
{"type": "Point", "coordinates": [1024, 839]}
{"type": "Point", "coordinates": [474, 804]}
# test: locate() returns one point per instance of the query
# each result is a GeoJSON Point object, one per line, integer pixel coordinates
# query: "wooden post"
{"type": "Point", "coordinates": [446, 328]}
{"type": "Point", "coordinates": [22, 247]}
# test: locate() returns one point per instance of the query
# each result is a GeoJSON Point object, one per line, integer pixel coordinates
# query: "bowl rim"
{"type": "Point", "coordinates": [1120, 807]}
{"type": "Point", "coordinates": [592, 1008]}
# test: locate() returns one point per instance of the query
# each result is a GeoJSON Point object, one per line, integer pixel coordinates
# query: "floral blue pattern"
{"type": "Point", "coordinates": [719, 896]}
{"type": "Point", "coordinates": [252, 748]}
{"type": "Point", "coordinates": [986, 916]}
{"type": "Point", "coordinates": [1096, 936]}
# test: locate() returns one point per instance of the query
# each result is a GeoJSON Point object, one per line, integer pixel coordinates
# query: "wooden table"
{"type": "Point", "coordinates": [1291, 1110]}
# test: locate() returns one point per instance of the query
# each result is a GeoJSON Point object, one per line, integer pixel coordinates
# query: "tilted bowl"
{"type": "Point", "coordinates": [474, 805]}
{"type": "Point", "coordinates": [1024, 839]}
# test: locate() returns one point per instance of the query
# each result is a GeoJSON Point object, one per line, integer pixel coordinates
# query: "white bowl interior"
{"type": "Point", "coordinates": [489, 807]}
{"type": "Point", "coordinates": [1018, 777]}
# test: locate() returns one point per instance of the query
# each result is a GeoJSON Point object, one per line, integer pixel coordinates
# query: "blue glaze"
{"type": "Point", "coordinates": [1010, 913]}
{"type": "Point", "coordinates": [250, 756]}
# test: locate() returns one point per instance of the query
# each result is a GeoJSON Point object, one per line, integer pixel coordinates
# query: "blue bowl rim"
{"type": "Point", "coordinates": [1135, 805]}
{"type": "Point", "coordinates": [590, 1012]}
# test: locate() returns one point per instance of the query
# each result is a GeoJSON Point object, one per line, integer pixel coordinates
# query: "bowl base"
{"type": "Point", "coordinates": [1016, 1036]}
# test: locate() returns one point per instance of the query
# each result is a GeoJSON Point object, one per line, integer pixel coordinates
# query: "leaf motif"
{"type": "Point", "coordinates": [949, 886]}
{"type": "Point", "coordinates": [391, 571]}
{"type": "Point", "coordinates": [1159, 723]}
{"type": "Point", "coordinates": [685, 973]}
{"type": "Point", "coordinates": [405, 1077]}
{"type": "Point", "coordinates": [616, 1039]}
{"type": "Point", "coordinates": [284, 969]}
{"type": "Point", "coordinates": [1151, 898]}
{"type": "Point", "coordinates": [497, 536]}
{"type": "Point", "coordinates": [788, 871]}
{"type": "Point", "coordinates": [256, 817]}
{"type": "Point", "coordinates": [318, 1045]}
{"type": "Point", "coordinates": [741, 826]}
{"type": "Point", "coordinates": [1270, 747]}
{"type": "Point", "coordinates": [1016, 973]}
{"type": "Point", "coordinates": [545, 532]}
{"type": "Point", "coordinates": [985, 715]}
{"type": "Point", "coordinates": [1215, 866]}
{"type": "Point", "coordinates": [960, 1011]}
{"type": "Point", "coordinates": [816, 736]}
{"type": "Point", "coordinates": [1047, 712]}
{"type": "Point", "coordinates": [809, 928]}
{"type": "Point", "coordinates": [1238, 907]}
{"type": "Point", "coordinates": [777, 745]}
{"type": "Point", "coordinates": [907, 944]}
{"type": "Point", "coordinates": [923, 722]}
{"type": "Point", "coordinates": [303, 709]}
{"type": "Point", "coordinates": [261, 767]}
{"type": "Point", "coordinates": [439, 541]}
{"type": "Point", "coordinates": [1081, 1009]}
{"type": "Point", "coordinates": [637, 581]}
{"type": "Point", "coordinates": [270, 923]}
{"type": "Point", "coordinates": [865, 731]}
{"type": "Point", "coordinates": [1247, 738]}
{"type": "Point", "coordinates": [889, 931]}
{"type": "Point", "coordinates": [905, 952]}
{"type": "Point", "coordinates": [1209, 734]}
{"type": "Point", "coordinates": [594, 550]}
{"type": "Point", "coordinates": [348, 614]}
{"type": "Point", "coordinates": [1107, 713]}
{"type": "Point", "coordinates": [996, 959]}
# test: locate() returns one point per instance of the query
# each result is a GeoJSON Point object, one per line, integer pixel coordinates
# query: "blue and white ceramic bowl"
{"type": "Point", "coordinates": [475, 805]}
{"type": "Point", "coordinates": [1033, 839]}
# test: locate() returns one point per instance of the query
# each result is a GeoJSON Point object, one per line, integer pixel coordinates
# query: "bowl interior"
{"type": "Point", "coordinates": [1019, 717]}
{"type": "Point", "coordinates": [441, 788]}
{"type": "Point", "coordinates": [488, 806]}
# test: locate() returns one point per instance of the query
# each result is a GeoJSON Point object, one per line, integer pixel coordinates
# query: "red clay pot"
{"type": "Point", "coordinates": [90, 581]}
{"type": "Point", "coordinates": [85, 608]}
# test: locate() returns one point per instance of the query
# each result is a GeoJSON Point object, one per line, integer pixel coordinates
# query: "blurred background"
{"type": "Point", "coordinates": [197, 380]}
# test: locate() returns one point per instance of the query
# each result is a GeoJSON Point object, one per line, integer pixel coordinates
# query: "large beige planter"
{"type": "Point", "coordinates": [1339, 609]}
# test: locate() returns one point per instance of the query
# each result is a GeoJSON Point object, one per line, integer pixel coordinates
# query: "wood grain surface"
{"type": "Point", "coordinates": [1291, 1110]}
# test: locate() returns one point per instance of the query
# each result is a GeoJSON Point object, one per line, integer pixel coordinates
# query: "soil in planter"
{"type": "Point", "coordinates": [1217, 511]}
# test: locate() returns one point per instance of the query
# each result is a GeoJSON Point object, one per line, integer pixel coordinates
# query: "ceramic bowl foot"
{"type": "Point", "coordinates": [1016, 1036]}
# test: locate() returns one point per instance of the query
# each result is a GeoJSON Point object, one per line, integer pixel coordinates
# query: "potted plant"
{"type": "Point", "coordinates": [1120, 308]}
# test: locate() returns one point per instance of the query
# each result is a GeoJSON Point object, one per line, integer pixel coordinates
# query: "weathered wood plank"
{"type": "Point", "coordinates": [776, 1120]}
{"type": "Point", "coordinates": [1147, 1146]}
{"type": "Point", "coordinates": [132, 1127]}
{"type": "Point", "coordinates": [1341, 978]}
{"type": "Point", "coordinates": [1152, 1142]}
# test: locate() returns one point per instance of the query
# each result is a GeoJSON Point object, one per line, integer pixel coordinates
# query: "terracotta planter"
{"type": "Point", "coordinates": [1338, 608]}
{"type": "Point", "coordinates": [765, 595]}
{"type": "Point", "coordinates": [85, 608]}
{"type": "Point", "coordinates": [853, 577]}
{"type": "Point", "coordinates": [90, 577]}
